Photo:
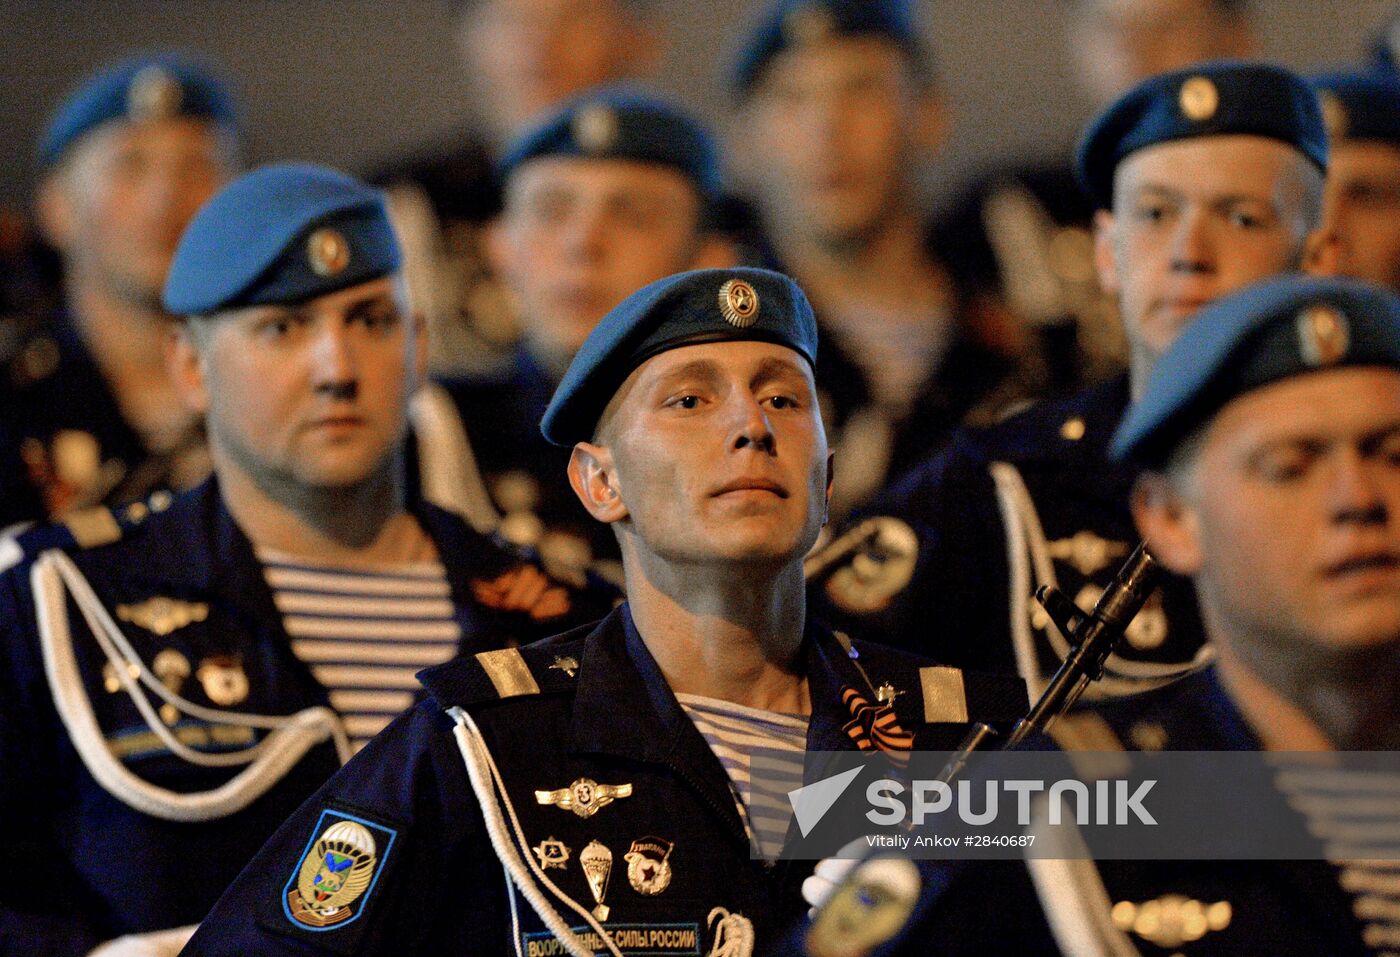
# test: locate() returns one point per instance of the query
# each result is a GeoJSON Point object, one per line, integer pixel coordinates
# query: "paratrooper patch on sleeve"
{"type": "Point", "coordinates": [337, 872]}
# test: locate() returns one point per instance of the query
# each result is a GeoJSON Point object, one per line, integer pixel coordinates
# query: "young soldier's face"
{"type": "Point", "coordinates": [580, 235]}
{"type": "Point", "coordinates": [119, 202]}
{"type": "Point", "coordinates": [716, 453]}
{"type": "Point", "coordinates": [1363, 209]}
{"type": "Point", "coordinates": [1195, 219]}
{"type": "Point", "coordinates": [834, 128]}
{"type": "Point", "coordinates": [1291, 513]}
{"type": "Point", "coordinates": [313, 395]}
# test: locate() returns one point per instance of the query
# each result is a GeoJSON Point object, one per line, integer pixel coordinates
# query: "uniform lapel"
{"type": "Point", "coordinates": [625, 709]}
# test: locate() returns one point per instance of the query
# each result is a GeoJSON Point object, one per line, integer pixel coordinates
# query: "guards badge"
{"type": "Point", "coordinates": [337, 873]}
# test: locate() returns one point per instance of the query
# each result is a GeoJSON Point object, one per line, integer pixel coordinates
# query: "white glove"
{"type": "Point", "coordinates": [157, 943]}
{"type": "Point", "coordinates": [831, 871]}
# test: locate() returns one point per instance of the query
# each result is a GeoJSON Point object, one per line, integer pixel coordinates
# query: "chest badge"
{"type": "Point", "coordinates": [565, 664]}
{"type": "Point", "coordinates": [596, 861]}
{"type": "Point", "coordinates": [160, 615]}
{"type": "Point", "coordinates": [225, 683]}
{"type": "Point", "coordinates": [552, 853]}
{"type": "Point", "coordinates": [585, 797]}
{"type": "Point", "coordinates": [649, 865]}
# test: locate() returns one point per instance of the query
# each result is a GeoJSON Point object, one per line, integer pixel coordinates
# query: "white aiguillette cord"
{"type": "Point", "coordinates": [1024, 534]}
{"type": "Point", "coordinates": [487, 783]}
{"type": "Point", "coordinates": [289, 736]}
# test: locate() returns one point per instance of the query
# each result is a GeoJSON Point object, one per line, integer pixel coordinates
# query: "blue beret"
{"type": "Point", "coordinates": [1272, 330]}
{"type": "Point", "coordinates": [1360, 105]}
{"type": "Point", "coordinates": [281, 234]}
{"type": "Point", "coordinates": [706, 305]}
{"type": "Point", "coordinates": [158, 86]}
{"type": "Point", "coordinates": [622, 122]}
{"type": "Point", "coordinates": [790, 23]}
{"type": "Point", "coordinates": [1209, 99]}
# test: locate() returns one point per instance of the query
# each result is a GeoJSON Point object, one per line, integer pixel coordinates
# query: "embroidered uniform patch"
{"type": "Point", "coordinates": [337, 872]}
{"type": "Point", "coordinates": [634, 940]}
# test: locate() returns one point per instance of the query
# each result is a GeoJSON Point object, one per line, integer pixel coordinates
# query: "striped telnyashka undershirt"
{"type": "Point", "coordinates": [733, 733]}
{"type": "Point", "coordinates": [364, 633]}
{"type": "Point", "coordinates": [1357, 816]}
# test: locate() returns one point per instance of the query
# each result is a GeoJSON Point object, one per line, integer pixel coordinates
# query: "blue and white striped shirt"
{"type": "Point", "coordinates": [365, 632]}
{"type": "Point", "coordinates": [734, 732]}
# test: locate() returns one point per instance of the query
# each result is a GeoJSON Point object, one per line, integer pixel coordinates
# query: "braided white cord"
{"type": "Point", "coordinates": [480, 764]}
{"type": "Point", "coordinates": [289, 739]}
{"type": "Point", "coordinates": [1025, 534]}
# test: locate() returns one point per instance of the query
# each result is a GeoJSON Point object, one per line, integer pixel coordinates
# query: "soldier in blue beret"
{"type": "Point", "coordinates": [1269, 438]}
{"type": "Point", "coordinates": [611, 192]}
{"type": "Point", "coordinates": [197, 665]}
{"type": "Point", "coordinates": [840, 109]}
{"type": "Point", "coordinates": [126, 160]}
{"type": "Point", "coordinates": [1362, 110]}
{"type": "Point", "coordinates": [521, 60]}
{"type": "Point", "coordinates": [607, 769]}
{"type": "Point", "coordinates": [1207, 179]}
{"type": "Point", "coordinates": [1024, 230]}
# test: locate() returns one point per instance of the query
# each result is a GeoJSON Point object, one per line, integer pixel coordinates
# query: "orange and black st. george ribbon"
{"type": "Point", "coordinates": [874, 727]}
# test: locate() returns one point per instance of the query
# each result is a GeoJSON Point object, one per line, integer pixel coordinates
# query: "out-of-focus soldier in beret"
{"type": "Point", "coordinates": [1206, 179]}
{"type": "Point", "coordinates": [521, 59]}
{"type": "Point", "coordinates": [1026, 232]}
{"type": "Point", "coordinates": [613, 191]}
{"type": "Point", "coordinates": [1269, 441]}
{"type": "Point", "coordinates": [177, 687]}
{"type": "Point", "coordinates": [127, 159]}
{"type": "Point", "coordinates": [1362, 110]}
{"type": "Point", "coordinates": [838, 107]}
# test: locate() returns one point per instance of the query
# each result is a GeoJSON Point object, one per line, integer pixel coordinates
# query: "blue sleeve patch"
{"type": "Point", "coordinates": [337, 872]}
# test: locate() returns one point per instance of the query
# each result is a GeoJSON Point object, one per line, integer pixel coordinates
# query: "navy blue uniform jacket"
{"type": "Point", "coordinates": [956, 606]}
{"type": "Point", "coordinates": [1279, 908]}
{"type": "Point", "coordinates": [80, 865]}
{"type": "Point", "coordinates": [438, 888]}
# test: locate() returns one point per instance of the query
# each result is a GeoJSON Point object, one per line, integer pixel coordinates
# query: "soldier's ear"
{"type": "Point", "coordinates": [594, 481]}
{"type": "Point", "coordinates": [184, 362]}
{"type": "Point", "coordinates": [1105, 256]}
{"type": "Point", "coordinates": [54, 213]}
{"type": "Point", "coordinates": [495, 244]}
{"type": "Point", "coordinates": [1168, 522]}
{"type": "Point", "coordinates": [420, 347]}
{"type": "Point", "coordinates": [1323, 252]}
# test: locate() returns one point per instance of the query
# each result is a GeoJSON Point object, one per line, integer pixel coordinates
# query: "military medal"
{"type": "Point", "coordinates": [596, 861]}
{"type": "Point", "coordinates": [585, 796]}
{"type": "Point", "coordinates": [224, 680]}
{"type": "Point", "coordinates": [172, 668]}
{"type": "Point", "coordinates": [649, 866]}
{"type": "Point", "coordinates": [552, 853]}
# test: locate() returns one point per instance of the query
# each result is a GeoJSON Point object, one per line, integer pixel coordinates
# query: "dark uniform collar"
{"type": "Point", "coordinates": [616, 677]}
{"type": "Point", "coordinates": [1074, 428]}
{"type": "Point", "coordinates": [205, 549]}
